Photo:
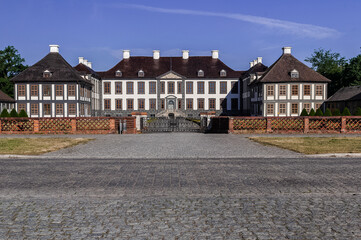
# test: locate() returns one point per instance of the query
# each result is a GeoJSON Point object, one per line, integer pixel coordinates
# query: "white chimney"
{"type": "Point", "coordinates": [259, 60]}
{"type": "Point", "coordinates": [81, 59]}
{"type": "Point", "coordinates": [215, 54]}
{"type": "Point", "coordinates": [251, 64]}
{"type": "Point", "coordinates": [126, 54]}
{"type": "Point", "coordinates": [185, 54]}
{"type": "Point", "coordinates": [89, 64]}
{"type": "Point", "coordinates": [254, 62]}
{"type": "Point", "coordinates": [85, 62]}
{"type": "Point", "coordinates": [54, 48]}
{"type": "Point", "coordinates": [156, 54]}
{"type": "Point", "coordinates": [286, 50]}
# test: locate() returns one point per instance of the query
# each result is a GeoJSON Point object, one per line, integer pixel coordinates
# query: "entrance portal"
{"type": "Point", "coordinates": [171, 104]}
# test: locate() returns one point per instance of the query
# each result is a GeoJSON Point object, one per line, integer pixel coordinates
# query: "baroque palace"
{"type": "Point", "coordinates": [163, 86]}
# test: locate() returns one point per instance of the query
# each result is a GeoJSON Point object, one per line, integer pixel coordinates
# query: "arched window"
{"type": "Point", "coordinates": [200, 73]}
{"type": "Point", "coordinates": [140, 73]}
{"type": "Point", "coordinates": [295, 74]}
{"type": "Point", "coordinates": [46, 74]}
{"type": "Point", "coordinates": [118, 73]}
{"type": "Point", "coordinates": [223, 73]}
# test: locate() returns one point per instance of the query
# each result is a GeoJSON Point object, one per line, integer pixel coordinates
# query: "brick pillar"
{"type": "Point", "coordinates": [343, 125]}
{"type": "Point", "coordinates": [112, 125]}
{"type": "Point", "coordinates": [230, 125]}
{"type": "Point", "coordinates": [306, 128]}
{"type": "Point", "coordinates": [0, 127]}
{"type": "Point", "coordinates": [36, 125]}
{"type": "Point", "coordinates": [73, 125]}
{"type": "Point", "coordinates": [269, 125]}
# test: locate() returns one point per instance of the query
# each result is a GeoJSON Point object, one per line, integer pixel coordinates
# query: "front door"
{"type": "Point", "coordinates": [171, 104]}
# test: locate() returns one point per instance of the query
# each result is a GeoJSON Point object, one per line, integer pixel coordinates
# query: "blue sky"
{"type": "Point", "coordinates": [241, 30]}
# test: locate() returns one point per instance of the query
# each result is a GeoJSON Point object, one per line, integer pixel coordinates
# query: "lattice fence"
{"type": "Point", "coordinates": [287, 124]}
{"type": "Point", "coordinates": [92, 124]}
{"type": "Point", "coordinates": [250, 124]}
{"type": "Point", "coordinates": [325, 124]}
{"type": "Point", "coordinates": [353, 124]}
{"type": "Point", "coordinates": [55, 124]}
{"type": "Point", "coordinates": [17, 125]}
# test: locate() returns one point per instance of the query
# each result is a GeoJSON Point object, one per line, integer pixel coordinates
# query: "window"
{"type": "Point", "coordinates": [200, 87]}
{"type": "Point", "coordinates": [270, 90]}
{"type": "Point", "coordinates": [318, 105]}
{"type": "Point", "coordinates": [106, 104]}
{"type": "Point", "coordinates": [189, 103]}
{"type": "Point", "coordinates": [118, 87]}
{"type": "Point", "coordinates": [294, 90]}
{"type": "Point", "coordinates": [294, 74]}
{"type": "Point", "coordinates": [319, 90]}
{"type": "Point", "coordinates": [130, 104]}
{"type": "Point", "coordinates": [141, 104]}
{"type": "Point", "coordinates": [282, 90]}
{"type": "Point", "coordinates": [34, 90]}
{"type": "Point", "coordinates": [34, 108]}
{"type": "Point", "coordinates": [21, 106]}
{"type": "Point", "coordinates": [152, 103]}
{"type": "Point", "coordinates": [179, 103]}
{"type": "Point", "coordinates": [59, 109]}
{"type": "Point", "coordinates": [152, 87]}
{"type": "Point", "coordinates": [46, 74]}
{"type": "Point", "coordinates": [106, 87]}
{"type": "Point", "coordinates": [212, 87]}
{"type": "Point", "coordinates": [189, 86]}
{"type": "Point", "coordinates": [212, 104]}
{"type": "Point", "coordinates": [223, 73]}
{"type": "Point", "coordinates": [71, 90]}
{"type": "Point", "coordinates": [307, 106]}
{"type": "Point", "coordinates": [81, 91]}
{"type": "Point", "coordinates": [171, 88]}
{"type": "Point", "coordinates": [282, 107]}
{"type": "Point", "coordinates": [141, 88]}
{"type": "Point", "coordinates": [82, 110]}
{"type": "Point", "coordinates": [270, 109]}
{"type": "Point", "coordinates": [162, 87]}
{"type": "Point", "coordinates": [200, 73]}
{"type": "Point", "coordinates": [223, 103]}
{"type": "Point", "coordinates": [140, 73]}
{"type": "Point", "coordinates": [162, 104]}
{"type": "Point", "coordinates": [118, 104]}
{"type": "Point", "coordinates": [294, 108]}
{"type": "Point", "coordinates": [234, 103]}
{"type": "Point", "coordinates": [223, 88]}
{"type": "Point", "coordinates": [21, 90]}
{"type": "Point", "coordinates": [59, 90]}
{"type": "Point", "coordinates": [307, 90]}
{"type": "Point", "coordinates": [71, 109]}
{"type": "Point", "coordinates": [46, 90]}
{"type": "Point", "coordinates": [200, 103]}
{"type": "Point", "coordinates": [47, 109]}
{"type": "Point", "coordinates": [179, 90]}
{"type": "Point", "coordinates": [234, 89]}
{"type": "Point", "coordinates": [118, 73]}
{"type": "Point", "coordinates": [130, 89]}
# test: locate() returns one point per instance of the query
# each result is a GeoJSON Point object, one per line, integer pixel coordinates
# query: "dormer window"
{"type": "Point", "coordinates": [200, 73]}
{"type": "Point", "coordinates": [118, 73]}
{"type": "Point", "coordinates": [140, 73]}
{"type": "Point", "coordinates": [295, 74]}
{"type": "Point", "coordinates": [46, 74]}
{"type": "Point", "coordinates": [223, 73]}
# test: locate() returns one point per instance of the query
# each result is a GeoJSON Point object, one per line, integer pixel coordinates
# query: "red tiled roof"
{"type": "Point", "coordinates": [83, 69]}
{"type": "Point", "coordinates": [6, 98]}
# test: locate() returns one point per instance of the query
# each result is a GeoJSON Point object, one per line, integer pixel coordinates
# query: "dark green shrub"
{"type": "Point", "coordinates": [14, 113]}
{"type": "Point", "coordinates": [319, 112]}
{"type": "Point", "coordinates": [312, 112]}
{"type": "Point", "coordinates": [5, 113]}
{"type": "Point", "coordinates": [304, 113]}
{"type": "Point", "coordinates": [358, 112]}
{"type": "Point", "coordinates": [336, 112]}
{"type": "Point", "coordinates": [327, 113]}
{"type": "Point", "coordinates": [346, 112]}
{"type": "Point", "coordinates": [23, 114]}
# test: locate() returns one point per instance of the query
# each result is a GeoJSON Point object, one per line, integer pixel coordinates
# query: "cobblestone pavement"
{"type": "Point", "coordinates": [295, 198]}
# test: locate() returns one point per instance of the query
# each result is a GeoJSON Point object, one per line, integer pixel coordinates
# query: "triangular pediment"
{"type": "Point", "coordinates": [171, 75]}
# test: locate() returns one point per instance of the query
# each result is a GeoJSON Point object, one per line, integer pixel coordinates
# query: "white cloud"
{"type": "Point", "coordinates": [306, 30]}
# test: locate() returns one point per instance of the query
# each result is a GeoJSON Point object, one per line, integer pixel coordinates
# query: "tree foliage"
{"type": "Point", "coordinates": [352, 72]}
{"type": "Point", "coordinates": [23, 114]}
{"type": "Point", "coordinates": [328, 112]}
{"type": "Point", "coordinates": [4, 113]}
{"type": "Point", "coordinates": [346, 112]}
{"type": "Point", "coordinates": [14, 113]}
{"type": "Point", "coordinates": [304, 113]}
{"type": "Point", "coordinates": [319, 112]}
{"type": "Point", "coordinates": [336, 112]}
{"type": "Point", "coordinates": [312, 112]}
{"type": "Point", "coordinates": [11, 64]}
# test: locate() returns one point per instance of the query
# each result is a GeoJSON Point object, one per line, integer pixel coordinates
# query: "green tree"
{"type": "Point", "coordinates": [330, 65]}
{"type": "Point", "coordinates": [336, 112]}
{"type": "Point", "coordinates": [358, 112]}
{"type": "Point", "coordinates": [346, 112]}
{"type": "Point", "coordinates": [352, 72]}
{"type": "Point", "coordinates": [4, 113]}
{"type": "Point", "coordinates": [312, 112]}
{"type": "Point", "coordinates": [23, 114]}
{"type": "Point", "coordinates": [11, 64]}
{"type": "Point", "coordinates": [14, 113]}
{"type": "Point", "coordinates": [328, 112]}
{"type": "Point", "coordinates": [319, 112]}
{"type": "Point", "coordinates": [304, 113]}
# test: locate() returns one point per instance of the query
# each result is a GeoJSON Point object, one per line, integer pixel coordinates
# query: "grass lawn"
{"type": "Point", "coordinates": [314, 145]}
{"type": "Point", "coordinates": [36, 146]}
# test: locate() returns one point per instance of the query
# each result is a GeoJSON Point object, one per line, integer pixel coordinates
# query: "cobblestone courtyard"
{"type": "Point", "coordinates": [245, 198]}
